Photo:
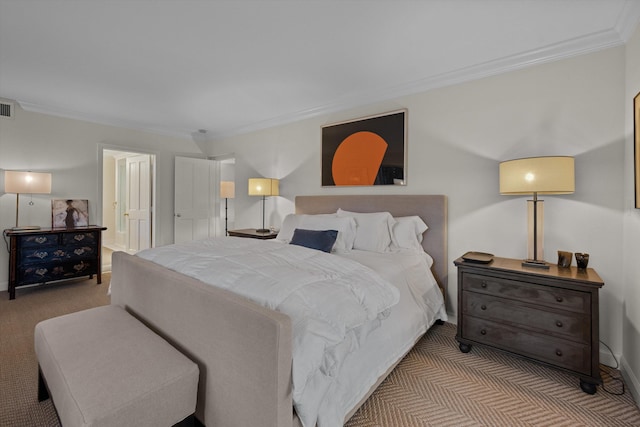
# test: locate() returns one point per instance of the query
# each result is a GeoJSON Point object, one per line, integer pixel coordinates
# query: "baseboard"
{"type": "Point", "coordinates": [631, 380]}
{"type": "Point", "coordinates": [606, 358]}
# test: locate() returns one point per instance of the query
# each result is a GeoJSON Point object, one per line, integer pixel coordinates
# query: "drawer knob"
{"type": "Point", "coordinates": [559, 299]}
{"type": "Point", "coordinates": [559, 324]}
{"type": "Point", "coordinates": [484, 284]}
{"type": "Point", "coordinates": [483, 307]}
{"type": "Point", "coordinates": [558, 352]}
{"type": "Point", "coordinates": [483, 332]}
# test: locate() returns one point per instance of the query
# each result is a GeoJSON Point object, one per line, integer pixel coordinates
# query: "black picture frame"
{"type": "Point", "coordinates": [389, 168]}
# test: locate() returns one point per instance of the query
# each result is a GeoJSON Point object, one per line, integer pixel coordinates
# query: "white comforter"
{"type": "Point", "coordinates": [333, 302]}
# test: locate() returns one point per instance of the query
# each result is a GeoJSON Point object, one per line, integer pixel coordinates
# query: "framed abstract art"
{"type": "Point", "coordinates": [367, 151]}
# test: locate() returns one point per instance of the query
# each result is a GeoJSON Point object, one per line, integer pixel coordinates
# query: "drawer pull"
{"type": "Point", "coordinates": [559, 324]}
{"type": "Point", "coordinates": [483, 307]}
{"type": "Point", "coordinates": [559, 299]}
{"type": "Point", "coordinates": [484, 284]}
{"type": "Point", "coordinates": [558, 352]}
{"type": "Point", "coordinates": [483, 332]}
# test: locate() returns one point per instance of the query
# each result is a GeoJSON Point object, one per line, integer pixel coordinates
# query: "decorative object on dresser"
{"type": "Point", "coordinates": [564, 259]}
{"type": "Point", "coordinates": [19, 182]}
{"type": "Point", "coordinates": [263, 187]}
{"type": "Point", "coordinates": [537, 175]}
{"type": "Point", "coordinates": [69, 213]}
{"type": "Point", "coordinates": [227, 191]}
{"type": "Point", "coordinates": [49, 255]}
{"type": "Point", "coordinates": [547, 316]}
{"type": "Point", "coordinates": [582, 260]}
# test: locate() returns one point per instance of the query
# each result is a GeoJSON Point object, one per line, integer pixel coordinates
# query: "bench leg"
{"type": "Point", "coordinates": [190, 421]}
{"type": "Point", "coordinates": [43, 392]}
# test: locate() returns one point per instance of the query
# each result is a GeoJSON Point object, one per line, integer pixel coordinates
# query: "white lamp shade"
{"type": "Point", "coordinates": [541, 175]}
{"type": "Point", "coordinates": [263, 187]}
{"type": "Point", "coordinates": [227, 189]}
{"type": "Point", "coordinates": [19, 182]}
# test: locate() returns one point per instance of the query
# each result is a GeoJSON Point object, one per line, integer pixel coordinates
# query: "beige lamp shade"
{"type": "Point", "coordinates": [263, 187]}
{"type": "Point", "coordinates": [19, 182]}
{"type": "Point", "coordinates": [541, 175]}
{"type": "Point", "coordinates": [227, 189]}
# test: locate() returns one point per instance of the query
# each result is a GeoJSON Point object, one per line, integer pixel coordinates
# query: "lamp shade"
{"type": "Point", "coordinates": [263, 187]}
{"type": "Point", "coordinates": [541, 175]}
{"type": "Point", "coordinates": [227, 189]}
{"type": "Point", "coordinates": [19, 182]}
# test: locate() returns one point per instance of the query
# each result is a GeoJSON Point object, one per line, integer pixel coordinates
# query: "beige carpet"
{"type": "Point", "coordinates": [435, 385]}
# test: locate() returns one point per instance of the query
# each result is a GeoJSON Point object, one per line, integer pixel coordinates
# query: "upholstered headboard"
{"type": "Point", "coordinates": [431, 208]}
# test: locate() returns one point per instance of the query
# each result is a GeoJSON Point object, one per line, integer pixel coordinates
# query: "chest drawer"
{"type": "Point", "coordinates": [558, 352]}
{"type": "Point", "coordinates": [557, 298]}
{"type": "Point", "coordinates": [559, 323]}
{"type": "Point", "coordinates": [35, 241]}
{"type": "Point", "coordinates": [80, 238]}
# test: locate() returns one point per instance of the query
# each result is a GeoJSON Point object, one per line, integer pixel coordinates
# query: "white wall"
{"type": "Point", "coordinates": [69, 149]}
{"type": "Point", "coordinates": [631, 247]}
{"type": "Point", "coordinates": [456, 137]}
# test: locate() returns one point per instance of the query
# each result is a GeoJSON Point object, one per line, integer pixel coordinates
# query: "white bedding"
{"type": "Point", "coordinates": [333, 302]}
{"type": "Point", "coordinates": [335, 362]}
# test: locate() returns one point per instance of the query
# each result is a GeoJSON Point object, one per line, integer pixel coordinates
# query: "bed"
{"type": "Point", "coordinates": [245, 350]}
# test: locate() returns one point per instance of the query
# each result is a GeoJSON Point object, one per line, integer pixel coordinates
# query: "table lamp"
{"type": "Point", "coordinates": [227, 191]}
{"type": "Point", "coordinates": [263, 187]}
{"type": "Point", "coordinates": [537, 175]}
{"type": "Point", "coordinates": [19, 182]}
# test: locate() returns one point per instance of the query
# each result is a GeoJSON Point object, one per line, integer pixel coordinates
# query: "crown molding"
{"type": "Point", "coordinates": [594, 42]}
{"type": "Point", "coordinates": [125, 124]}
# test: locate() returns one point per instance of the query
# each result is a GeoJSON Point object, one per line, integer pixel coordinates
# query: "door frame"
{"type": "Point", "coordinates": [154, 176]}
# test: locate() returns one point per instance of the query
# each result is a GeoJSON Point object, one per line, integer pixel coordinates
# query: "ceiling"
{"type": "Point", "coordinates": [231, 67]}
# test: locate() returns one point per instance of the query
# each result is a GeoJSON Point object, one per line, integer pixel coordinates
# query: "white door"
{"type": "Point", "coordinates": [194, 197]}
{"type": "Point", "coordinates": [138, 195]}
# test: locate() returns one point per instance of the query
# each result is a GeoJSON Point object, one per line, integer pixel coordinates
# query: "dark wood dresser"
{"type": "Point", "coordinates": [48, 255]}
{"type": "Point", "coordinates": [548, 316]}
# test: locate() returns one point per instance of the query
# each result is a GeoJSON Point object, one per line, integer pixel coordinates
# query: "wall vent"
{"type": "Point", "coordinates": [6, 109]}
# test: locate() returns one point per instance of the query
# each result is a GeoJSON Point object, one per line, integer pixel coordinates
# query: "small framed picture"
{"type": "Point", "coordinates": [69, 213]}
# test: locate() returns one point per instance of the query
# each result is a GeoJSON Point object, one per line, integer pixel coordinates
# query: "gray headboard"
{"type": "Point", "coordinates": [431, 208]}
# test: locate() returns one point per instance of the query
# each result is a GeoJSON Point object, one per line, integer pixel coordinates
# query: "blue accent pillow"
{"type": "Point", "coordinates": [321, 240]}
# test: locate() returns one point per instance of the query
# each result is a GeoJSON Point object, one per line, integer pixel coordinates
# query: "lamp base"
{"type": "Point", "coordinates": [26, 228]}
{"type": "Point", "coordinates": [535, 263]}
{"type": "Point", "coordinates": [263, 230]}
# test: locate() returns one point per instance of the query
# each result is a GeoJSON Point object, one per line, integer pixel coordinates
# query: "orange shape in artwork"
{"type": "Point", "coordinates": [358, 158]}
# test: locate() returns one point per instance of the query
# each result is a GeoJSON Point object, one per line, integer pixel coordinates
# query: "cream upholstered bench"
{"type": "Point", "coordinates": [103, 367]}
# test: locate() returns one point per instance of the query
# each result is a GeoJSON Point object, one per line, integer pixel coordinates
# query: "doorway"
{"type": "Point", "coordinates": [128, 180]}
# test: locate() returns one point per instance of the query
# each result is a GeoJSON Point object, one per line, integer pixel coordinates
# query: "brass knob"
{"type": "Point", "coordinates": [483, 307]}
{"type": "Point", "coordinates": [484, 284]}
{"type": "Point", "coordinates": [559, 299]}
{"type": "Point", "coordinates": [559, 324]}
{"type": "Point", "coordinates": [483, 332]}
{"type": "Point", "coordinates": [558, 352]}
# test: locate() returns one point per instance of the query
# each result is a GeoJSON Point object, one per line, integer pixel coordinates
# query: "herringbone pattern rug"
{"type": "Point", "coordinates": [435, 385]}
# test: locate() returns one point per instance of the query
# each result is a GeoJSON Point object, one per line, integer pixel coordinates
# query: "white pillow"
{"type": "Point", "coordinates": [346, 228]}
{"type": "Point", "coordinates": [407, 232]}
{"type": "Point", "coordinates": [289, 224]}
{"type": "Point", "coordinates": [373, 232]}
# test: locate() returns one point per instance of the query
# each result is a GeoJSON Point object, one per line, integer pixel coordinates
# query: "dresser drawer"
{"type": "Point", "coordinates": [38, 241]}
{"type": "Point", "coordinates": [48, 272]}
{"type": "Point", "coordinates": [80, 238]}
{"type": "Point", "coordinates": [564, 299]}
{"type": "Point", "coordinates": [555, 351]}
{"type": "Point", "coordinates": [559, 323]}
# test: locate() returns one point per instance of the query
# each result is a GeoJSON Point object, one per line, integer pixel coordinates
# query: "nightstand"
{"type": "Point", "coordinates": [253, 234]}
{"type": "Point", "coordinates": [546, 316]}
